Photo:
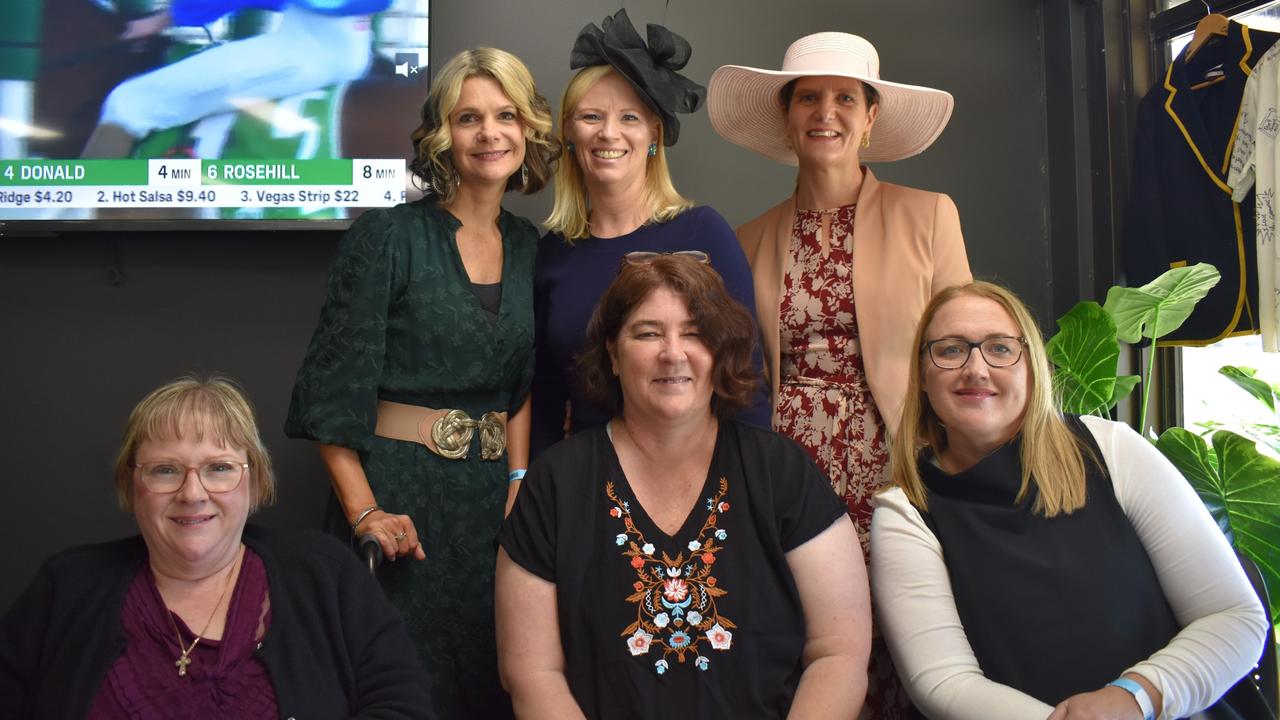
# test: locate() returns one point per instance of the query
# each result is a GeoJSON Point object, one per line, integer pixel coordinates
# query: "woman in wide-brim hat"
{"type": "Point", "coordinates": [614, 195]}
{"type": "Point", "coordinates": [843, 267]}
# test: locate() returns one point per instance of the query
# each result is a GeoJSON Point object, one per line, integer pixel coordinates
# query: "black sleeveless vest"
{"type": "Point", "coordinates": [1051, 606]}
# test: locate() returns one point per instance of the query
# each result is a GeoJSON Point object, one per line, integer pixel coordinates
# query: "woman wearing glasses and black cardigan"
{"type": "Point", "coordinates": [201, 615]}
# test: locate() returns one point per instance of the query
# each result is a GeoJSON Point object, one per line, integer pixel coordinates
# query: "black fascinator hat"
{"type": "Point", "coordinates": [651, 68]}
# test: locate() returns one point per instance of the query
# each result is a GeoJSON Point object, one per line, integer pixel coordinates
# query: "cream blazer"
{"type": "Point", "coordinates": [906, 247]}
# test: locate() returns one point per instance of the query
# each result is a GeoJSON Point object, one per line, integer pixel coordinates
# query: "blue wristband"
{"type": "Point", "coordinates": [1139, 694]}
{"type": "Point", "coordinates": [515, 475]}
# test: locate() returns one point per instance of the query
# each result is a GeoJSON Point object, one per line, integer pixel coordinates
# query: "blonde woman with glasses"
{"type": "Point", "coordinates": [202, 615]}
{"type": "Point", "coordinates": [1029, 565]}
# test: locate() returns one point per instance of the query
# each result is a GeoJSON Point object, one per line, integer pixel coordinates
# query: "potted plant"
{"type": "Point", "coordinates": [1238, 483]}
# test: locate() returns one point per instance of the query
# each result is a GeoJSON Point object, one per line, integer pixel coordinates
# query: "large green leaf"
{"type": "Point", "coordinates": [1241, 489]}
{"type": "Point", "coordinates": [1085, 356]}
{"type": "Point", "coordinates": [1162, 305]}
{"type": "Point", "coordinates": [1124, 386]}
{"type": "Point", "coordinates": [1246, 378]}
{"type": "Point", "coordinates": [1197, 462]}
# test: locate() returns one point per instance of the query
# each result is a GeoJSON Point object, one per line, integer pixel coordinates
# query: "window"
{"type": "Point", "coordinates": [1266, 17]}
{"type": "Point", "coordinates": [1207, 395]}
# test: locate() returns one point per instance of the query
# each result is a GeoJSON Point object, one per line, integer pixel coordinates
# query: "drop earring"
{"type": "Point", "coordinates": [524, 176]}
{"type": "Point", "coordinates": [569, 147]}
{"type": "Point", "coordinates": [866, 140]}
{"type": "Point", "coordinates": [653, 149]}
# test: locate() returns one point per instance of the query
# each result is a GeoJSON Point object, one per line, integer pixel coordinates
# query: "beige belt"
{"type": "Point", "coordinates": [446, 433]}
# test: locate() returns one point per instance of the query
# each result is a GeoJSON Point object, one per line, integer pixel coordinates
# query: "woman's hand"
{"type": "Point", "coordinates": [1109, 703]}
{"type": "Point", "coordinates": [395, 533]}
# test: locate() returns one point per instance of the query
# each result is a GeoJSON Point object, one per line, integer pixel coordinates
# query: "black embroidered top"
{"type": "Point", "coordinates": [705, 623]}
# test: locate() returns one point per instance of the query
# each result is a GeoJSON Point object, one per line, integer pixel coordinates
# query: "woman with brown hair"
{"type": "Point", "coordinates": [844, 266]}
{"type": "Point", "coordinates": [421, 363]}
{"type": "Point", "coordinates": [675, 562]}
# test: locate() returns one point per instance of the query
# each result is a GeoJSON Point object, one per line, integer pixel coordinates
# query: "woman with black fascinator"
{"type": "Point", "coordinates": [614, 196]}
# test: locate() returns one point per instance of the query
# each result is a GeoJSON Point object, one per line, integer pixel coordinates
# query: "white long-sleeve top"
{"type": "Point", "coordinates": [1223, 624]}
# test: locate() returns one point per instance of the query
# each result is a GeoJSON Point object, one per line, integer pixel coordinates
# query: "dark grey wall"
{"type": "Point", "coordinates": [987, 53]}
{"type": "Point", "coordinates": [76, 351]}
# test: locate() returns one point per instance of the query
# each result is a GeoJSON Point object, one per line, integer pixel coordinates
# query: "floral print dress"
{"type": "Point", "coordinates": [824, 401]}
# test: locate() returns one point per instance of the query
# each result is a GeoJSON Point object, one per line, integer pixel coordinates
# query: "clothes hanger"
{"type": "Point", "coordinates": [1212, 80]}
{"type": "Point", "coordinates": [1211, 26]}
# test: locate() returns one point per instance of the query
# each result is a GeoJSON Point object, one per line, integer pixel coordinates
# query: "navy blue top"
{"type": "Point", "coordinates": [570, 279]}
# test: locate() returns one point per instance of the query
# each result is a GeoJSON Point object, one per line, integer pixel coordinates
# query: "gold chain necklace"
{"type": "Point", "coordinates": [184, 659]}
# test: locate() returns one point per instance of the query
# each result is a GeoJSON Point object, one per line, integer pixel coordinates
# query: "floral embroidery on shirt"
{"type": "Point", "coordinates": [675, 598]}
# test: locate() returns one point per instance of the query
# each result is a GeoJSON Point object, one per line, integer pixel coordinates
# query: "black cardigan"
{"type": "Point", "coordinates": [335, 649]}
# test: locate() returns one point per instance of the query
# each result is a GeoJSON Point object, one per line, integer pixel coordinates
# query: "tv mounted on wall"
{"type": "Point", "coordinates": [206, 113]}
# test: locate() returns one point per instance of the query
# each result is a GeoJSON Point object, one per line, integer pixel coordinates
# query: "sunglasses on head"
{"type": "Point", "coordinates": [644, 257]}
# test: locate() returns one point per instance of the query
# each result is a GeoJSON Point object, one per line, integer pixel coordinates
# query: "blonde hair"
{"type": "Point", "coordinates": [571, 210]}
{"type": "Point", "coordinates": [217, 408]}
{"type": "Point", "coordinates": [433, 139]}
{"type": "Point", "coordinates": [1053, 457]}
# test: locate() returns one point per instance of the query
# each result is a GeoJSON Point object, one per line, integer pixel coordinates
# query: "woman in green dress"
{"type": "Point", "coordinates": [421, 363]}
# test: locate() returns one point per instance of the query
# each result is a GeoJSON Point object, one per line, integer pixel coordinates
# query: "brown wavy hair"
{"type": "Point", "coordinates": [725, 327]}
{"type": "Point", "coordinates": [433, 141]}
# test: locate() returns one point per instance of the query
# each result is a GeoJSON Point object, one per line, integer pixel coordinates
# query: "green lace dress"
{"type": "Point", "coordinates": [401, 323]}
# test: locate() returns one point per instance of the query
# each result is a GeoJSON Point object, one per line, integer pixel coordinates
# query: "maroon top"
{"type": "Point", "coordinates": [225, 678]}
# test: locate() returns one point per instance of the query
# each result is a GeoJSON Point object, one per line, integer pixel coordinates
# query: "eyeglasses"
{"type": "Point", "coordinates": [953, 353]}
{"type": "Point", "coordinates": [644, 257]}
{"type": "Point", "coordinates": [217, 476]}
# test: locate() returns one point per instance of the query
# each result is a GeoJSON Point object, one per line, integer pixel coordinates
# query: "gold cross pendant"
{"type": "Point", "coordinates": [182, 663]}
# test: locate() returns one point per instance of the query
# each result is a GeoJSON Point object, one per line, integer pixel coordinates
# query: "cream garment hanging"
{"type": "Point", "coordinates": [1254, 165]}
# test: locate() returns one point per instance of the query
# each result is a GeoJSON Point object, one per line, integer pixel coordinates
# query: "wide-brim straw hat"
{"type": "Point", "coordinates": [744, 108]}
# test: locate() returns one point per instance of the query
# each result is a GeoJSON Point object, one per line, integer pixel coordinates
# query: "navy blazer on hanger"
{"type": "Point", "coordinates": [1180, 206]}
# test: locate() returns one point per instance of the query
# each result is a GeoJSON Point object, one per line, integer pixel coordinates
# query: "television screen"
{"type": "Point", "coordinates": [185, 110]}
